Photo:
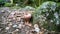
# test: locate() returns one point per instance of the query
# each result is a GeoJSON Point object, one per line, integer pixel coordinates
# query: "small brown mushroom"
{"type": "Point", "coordinates": [27, 16]}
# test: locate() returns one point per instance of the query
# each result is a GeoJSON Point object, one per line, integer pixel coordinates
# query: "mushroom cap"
{"type": "Point", "coordinates": [27, 16]}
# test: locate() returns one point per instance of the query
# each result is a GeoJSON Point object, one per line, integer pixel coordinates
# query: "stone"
{"type": "Point", "coordinates": [36, 28]}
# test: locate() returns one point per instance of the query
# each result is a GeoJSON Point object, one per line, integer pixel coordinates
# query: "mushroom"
{"type": "Point", "coordinates": [27, 16]}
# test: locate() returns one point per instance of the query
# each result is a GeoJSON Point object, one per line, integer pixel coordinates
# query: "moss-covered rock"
{"type": "Point", "coordinates": [47, 15]}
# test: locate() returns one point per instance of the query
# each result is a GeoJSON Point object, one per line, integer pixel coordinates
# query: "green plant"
{"type": "Point", "coordinates": [47, 15]}
{"type": "Point", "coordinates": [8, 5]}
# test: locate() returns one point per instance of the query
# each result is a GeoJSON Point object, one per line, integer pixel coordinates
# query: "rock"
{"type": "Point", "coordinates": [20, 26]}
{"type": "Point", "coordinates": [36, 28]}
{"type": "Point", "coordinates": [15, 26]}
{"type": "Point", "coordinates": [18, 19]}
{"type": "Point", "coordinates": [7, 28]}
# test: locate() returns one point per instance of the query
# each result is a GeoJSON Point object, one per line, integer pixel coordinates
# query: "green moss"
{"type": "Point", "coordinates": [8, 5]}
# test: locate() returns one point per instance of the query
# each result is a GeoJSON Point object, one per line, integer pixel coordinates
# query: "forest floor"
{"type": "Point", "coordinates": [12, 21]}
